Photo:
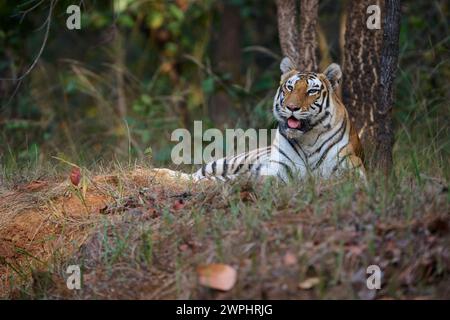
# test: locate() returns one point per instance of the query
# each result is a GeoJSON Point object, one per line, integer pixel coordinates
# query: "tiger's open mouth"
{"type": "Point", "coordinates": [294, 123]}
{"type": "Point", "coordinates": [302, 125]}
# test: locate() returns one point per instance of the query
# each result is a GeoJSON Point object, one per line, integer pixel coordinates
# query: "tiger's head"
{"type": "Point", "coordinates": [302, 101]}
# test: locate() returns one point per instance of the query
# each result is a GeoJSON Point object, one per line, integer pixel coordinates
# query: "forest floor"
{"type": "Point", "coordinates": [140, 235]}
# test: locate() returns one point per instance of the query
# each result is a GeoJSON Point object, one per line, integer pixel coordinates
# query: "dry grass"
{"type": "Point", "coordinates": [43, 222]}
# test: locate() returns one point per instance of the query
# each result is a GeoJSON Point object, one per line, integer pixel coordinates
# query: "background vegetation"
{"type": "Point", "coordinates": [133, 74]}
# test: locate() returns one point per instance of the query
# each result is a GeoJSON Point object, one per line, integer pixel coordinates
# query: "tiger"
{"type": "Point", "coordinates": [314, 137]}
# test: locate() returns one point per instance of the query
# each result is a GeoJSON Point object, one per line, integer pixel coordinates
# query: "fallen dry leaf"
{"type": "Point", "coordinates": [217, 276]}
{"type": "Point", "coordinates": [309, 283]}
{"type": "Point", "coordinates": [289, 259]}
{"type": "Point", "coordinates": [75, 176]}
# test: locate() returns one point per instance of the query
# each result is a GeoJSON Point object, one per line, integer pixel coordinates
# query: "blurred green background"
{"type": "Point", "coordinates": [137, 70]}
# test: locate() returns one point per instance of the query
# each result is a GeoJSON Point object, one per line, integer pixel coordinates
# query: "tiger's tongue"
{"type": "Point", "coordinates": [293, 123]}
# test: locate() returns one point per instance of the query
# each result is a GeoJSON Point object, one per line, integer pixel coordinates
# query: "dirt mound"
{"type": "Point", "coordinates": [42, 218]}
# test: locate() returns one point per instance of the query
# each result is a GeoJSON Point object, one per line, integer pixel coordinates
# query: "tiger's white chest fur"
{"type": "Point", "coordinates": [292, 159]}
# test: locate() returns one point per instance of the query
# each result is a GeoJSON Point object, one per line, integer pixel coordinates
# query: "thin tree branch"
{"type": "Point", "coordinates": [41, 49]}
{"type": "Point", "coordinates": [25, 12]}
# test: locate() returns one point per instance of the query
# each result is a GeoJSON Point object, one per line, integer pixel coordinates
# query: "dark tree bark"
{"type": "Point", "coordinates": [288, 29]}
{"type": "Point", "coordinates": [361, 71]}
{"type": "Point", "coordinates": [370, 63]}
{"type": "Point", "coordinates": [308, 35]}
{"type": "Point", "coordinates": [300, 46]}
{"type": "Point", "coordinates": [389, 59]}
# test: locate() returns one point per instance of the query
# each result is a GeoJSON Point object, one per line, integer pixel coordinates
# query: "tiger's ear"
{"type": "Point", "coordinates": [286, 65]}
{"type": "Point", "coordinates": [333, 74]}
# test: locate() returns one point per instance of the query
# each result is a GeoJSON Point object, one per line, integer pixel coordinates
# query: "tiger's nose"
{"type": "Point", "coordinates": [293, 107]}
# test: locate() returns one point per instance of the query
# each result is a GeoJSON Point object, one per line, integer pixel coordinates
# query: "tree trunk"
{"type": "Point", "coordinates": [388, 65]}
{"type": "Point", "coordinates": [361, 71]}
{"type": "Point", "coordinates": [370, 63]}
{"type": "Point", "coordinates": [288, 29]}
{"type": "Point", "coordinates": [227, 59]}
{"type": "Point", "coordinates": [308, 35]}
{"type": "Point", "coordinates": [299, 46]}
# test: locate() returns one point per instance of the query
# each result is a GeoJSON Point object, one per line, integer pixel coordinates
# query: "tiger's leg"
{"type": "Point", "coordinates": [275, 170]}
{"type": "Point", "coordinates": [230, 168]}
